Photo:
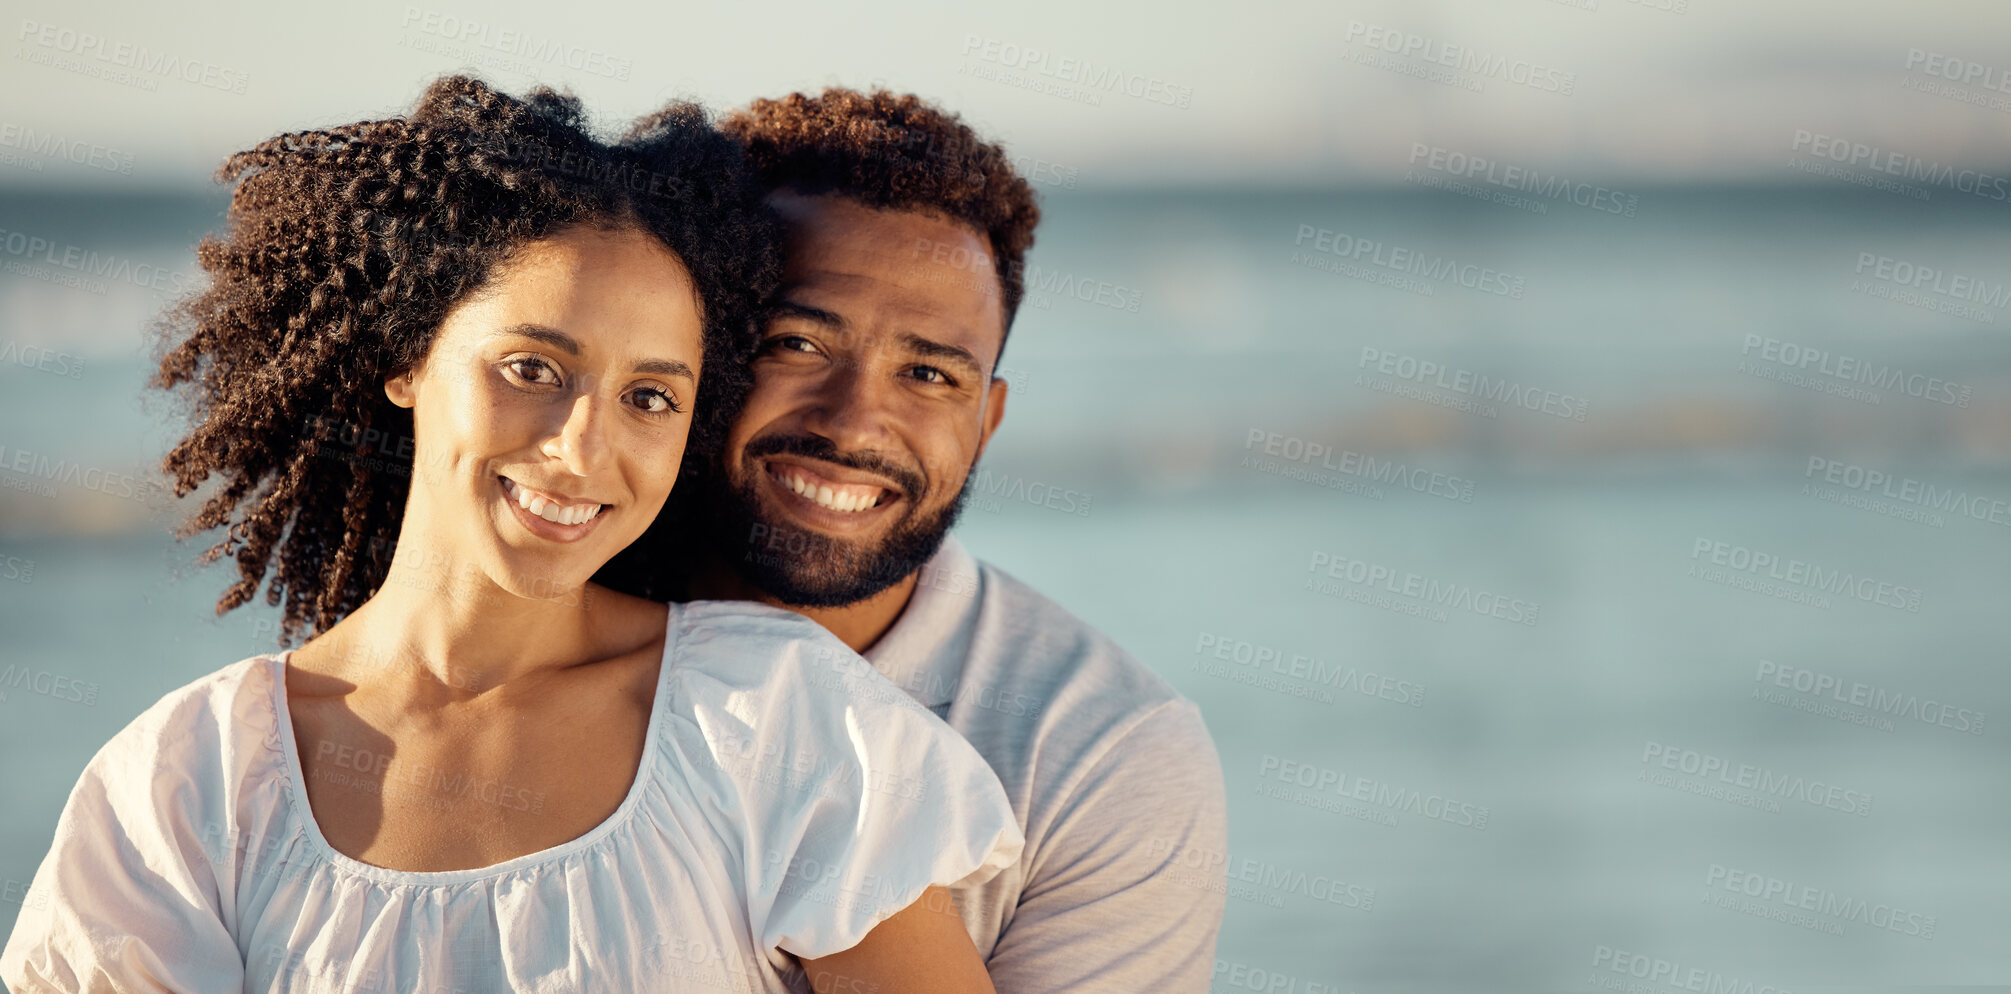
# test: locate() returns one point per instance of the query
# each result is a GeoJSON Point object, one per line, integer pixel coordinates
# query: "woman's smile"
{"type": "Point", "coordinates": [548, 515]}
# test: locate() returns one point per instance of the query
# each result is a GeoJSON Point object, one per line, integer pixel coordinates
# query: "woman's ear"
{"type": "Point", "coordinates": [399, 389]}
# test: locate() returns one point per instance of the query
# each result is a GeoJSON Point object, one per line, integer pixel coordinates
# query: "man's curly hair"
{"type": "Point", "coordinates": [885, 150]}
{"type": "Point", "coordinates": [345, 249]}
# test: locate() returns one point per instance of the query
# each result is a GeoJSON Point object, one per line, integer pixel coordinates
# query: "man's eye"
{"type": "Point", "coordinates": [654, 401]}
{"type": "Point", "coordinates": [931, 374]}
{"type": "Point", "coordinates": [533, 370]}
{"type": "Point", "coordinates": [792, 343]}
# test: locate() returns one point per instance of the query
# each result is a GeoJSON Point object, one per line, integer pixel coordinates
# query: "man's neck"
{"type": "Point", "coordinates": [858, 624]}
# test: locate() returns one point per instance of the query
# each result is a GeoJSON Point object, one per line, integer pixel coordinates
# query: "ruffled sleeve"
{"type": "Point", "coordinates": [128, 898]}
{"type": "Point", "coordinates": [851, 798]}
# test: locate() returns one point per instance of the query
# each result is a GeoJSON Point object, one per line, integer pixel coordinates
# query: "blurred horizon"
{"type": "Point", "coordinates": [1126, 94]}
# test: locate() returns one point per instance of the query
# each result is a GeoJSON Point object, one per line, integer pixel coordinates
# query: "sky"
{"type": "Point", "coordinates": [1333, 92]}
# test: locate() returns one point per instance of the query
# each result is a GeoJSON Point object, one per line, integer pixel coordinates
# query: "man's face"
{"type": "Point", "coordinates": [872, 400]}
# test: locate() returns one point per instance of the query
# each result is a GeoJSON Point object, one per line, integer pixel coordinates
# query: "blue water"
{"type": "Point", "coordinates": [1595, 524]}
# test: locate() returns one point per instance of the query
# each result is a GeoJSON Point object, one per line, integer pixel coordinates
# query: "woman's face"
{"type": "Point", "coordinates": [551, 412]}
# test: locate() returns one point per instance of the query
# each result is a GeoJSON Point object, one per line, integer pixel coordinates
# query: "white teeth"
{"type": "Point", "coordinates": [552, 511]}
{"type": "Point", "coordinates": [824, 496]}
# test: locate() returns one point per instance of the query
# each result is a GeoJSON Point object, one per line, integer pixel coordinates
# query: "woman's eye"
{"type": "Point", "coordinates": [654, 401]}
{"type": "Point", "coordinates": [534, 371]}
{"type": "Point", "coordinates": [792, 343]}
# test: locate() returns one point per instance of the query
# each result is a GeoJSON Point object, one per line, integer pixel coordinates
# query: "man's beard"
{"type": "Point", "coordinates": [805, 569]}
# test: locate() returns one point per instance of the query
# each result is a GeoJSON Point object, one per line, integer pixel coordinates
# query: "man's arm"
{"type": "Point", "coordinates": [1126, 892]}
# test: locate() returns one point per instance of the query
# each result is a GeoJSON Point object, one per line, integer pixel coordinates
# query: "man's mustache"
{"type": "Point", "coordinates": [909, 482]}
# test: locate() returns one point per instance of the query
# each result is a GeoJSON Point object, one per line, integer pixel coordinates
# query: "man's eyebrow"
{"type": "Point", "coordinates": [566, 343]}
{"type": "Point", "coordinates": [954, 354]}
{"type": "Point", "coordinates": [792, 309]}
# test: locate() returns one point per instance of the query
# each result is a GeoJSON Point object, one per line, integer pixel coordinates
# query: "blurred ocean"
{"type": "Point", "coordinates": [1665, 791]}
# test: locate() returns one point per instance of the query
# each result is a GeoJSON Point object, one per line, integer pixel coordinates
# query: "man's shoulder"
{"type": "Point", "coordinates": [1080, 683]}
{"type": "Point", "coordinates": [1049, 642]}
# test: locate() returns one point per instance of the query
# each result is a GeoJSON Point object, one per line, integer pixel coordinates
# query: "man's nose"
{"type": "Point", "coordinates": [852, 407]}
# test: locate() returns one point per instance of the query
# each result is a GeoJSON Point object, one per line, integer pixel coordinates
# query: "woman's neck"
{"type": "Point", "coordinates": [447, 616]}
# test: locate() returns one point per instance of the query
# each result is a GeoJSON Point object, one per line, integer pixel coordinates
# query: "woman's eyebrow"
{"type": "Point", "coordinates": [665, 367]}
{"type": "Point", "coordinates": [550, 336]}
{"type": "Point", "coordinates": [566, 343]}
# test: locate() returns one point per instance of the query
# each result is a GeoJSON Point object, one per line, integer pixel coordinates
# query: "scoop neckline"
{"type": "Point", "coordinates": [297, 789]}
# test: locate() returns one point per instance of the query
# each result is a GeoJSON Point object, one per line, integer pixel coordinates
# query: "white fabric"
{"type": "Point", "coordinates": [788, 800]}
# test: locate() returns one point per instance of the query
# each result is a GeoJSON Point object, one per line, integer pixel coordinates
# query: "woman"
{"type": "Point", "coordinates": [483, 334]}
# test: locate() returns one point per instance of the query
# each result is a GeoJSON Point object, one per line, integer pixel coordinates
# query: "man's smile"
{"type": "Point", "coordinates": [844, 497]}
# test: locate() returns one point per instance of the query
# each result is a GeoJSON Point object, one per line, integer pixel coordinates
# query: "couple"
{"type": "Point", "coordinates": [499, 761]}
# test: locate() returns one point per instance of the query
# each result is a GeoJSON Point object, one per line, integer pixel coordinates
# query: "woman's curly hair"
{"type": "Point", "coordinates": [346, 248]}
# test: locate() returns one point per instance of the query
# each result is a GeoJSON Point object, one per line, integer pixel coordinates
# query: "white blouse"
{"type": "Point", "coordinates": [789, 798]}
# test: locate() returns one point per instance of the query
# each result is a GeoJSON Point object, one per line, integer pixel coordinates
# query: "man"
{"type": "Point", "coordinates": [872, 402]}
